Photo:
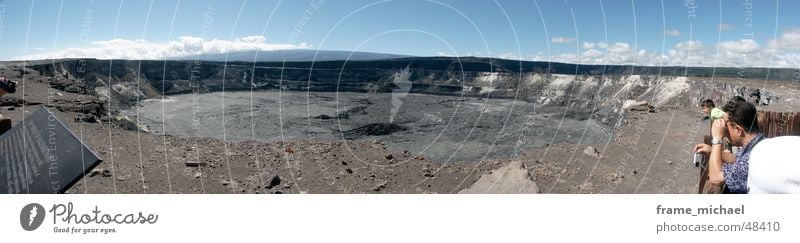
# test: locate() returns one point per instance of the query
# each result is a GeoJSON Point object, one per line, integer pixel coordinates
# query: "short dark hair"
{"type": "Point", "coordinates": [728, 108]}
{"type": "Point", "coordinates": [745, 114]}
{"type": "Point", "coordinates": [707, 103]}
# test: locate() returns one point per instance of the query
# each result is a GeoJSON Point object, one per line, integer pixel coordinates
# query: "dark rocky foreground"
{"type": "Point", "coordinates": [647, 155]}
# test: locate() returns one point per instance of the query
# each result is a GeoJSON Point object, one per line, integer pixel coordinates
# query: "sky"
{"type": "Point", "coordinates": [733, 33]}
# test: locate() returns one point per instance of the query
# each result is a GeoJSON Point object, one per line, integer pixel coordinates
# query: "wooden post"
{"type": "Point", "coordinates": [704, 168]}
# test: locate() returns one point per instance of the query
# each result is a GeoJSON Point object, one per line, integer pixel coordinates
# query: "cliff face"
{"type": "Point", "coordinates": [601, 93]}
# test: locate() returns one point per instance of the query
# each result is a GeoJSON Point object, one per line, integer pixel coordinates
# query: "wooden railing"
{"type": "Point", "coordinates": [774, 124]}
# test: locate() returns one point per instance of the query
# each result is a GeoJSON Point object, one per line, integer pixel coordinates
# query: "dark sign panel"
{"type": "Point", "coordinates": [40, 155]}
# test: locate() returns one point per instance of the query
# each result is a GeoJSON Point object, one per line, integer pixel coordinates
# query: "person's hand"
{"type": "Point", "coordinates": [718, 129]}
{"type": "Point", "coordinates": [702, 148]}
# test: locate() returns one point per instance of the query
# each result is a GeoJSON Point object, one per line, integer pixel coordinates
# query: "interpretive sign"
{"type": "Point", "coordinates": [41, 155]}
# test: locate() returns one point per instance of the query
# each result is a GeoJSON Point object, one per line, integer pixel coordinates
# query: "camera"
{"type": "Point", "coordinates": [698, 158]}
{"type": "Point", "coordinates": [8, 85]}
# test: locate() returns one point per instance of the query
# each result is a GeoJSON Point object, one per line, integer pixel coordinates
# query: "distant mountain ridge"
{"type": "Point", "coordinates": [292, 56]}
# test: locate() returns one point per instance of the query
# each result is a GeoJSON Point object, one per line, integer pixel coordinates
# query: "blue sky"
{"type": "Point", "coordinates": [706, 33]}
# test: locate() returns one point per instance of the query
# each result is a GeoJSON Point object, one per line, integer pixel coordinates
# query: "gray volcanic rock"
{"type": "Point", "coordinates": [511, 178]}
{"type": "Point", "coordinates": [654, 145]}
{"type": "Point", "coordinates": [578, 91]}
{"type": "Point", "coordinates": [374, 129]}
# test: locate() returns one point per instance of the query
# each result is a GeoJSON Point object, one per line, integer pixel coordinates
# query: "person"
{"type": "Point", "coordinates": [742, 127]}
{"type": "Point", "coordinates": [774, 167]}
{"type": "Point", "coordinates": [728, 107]}
{"type": "Point", "coordinates": [728, 155]}
{"type": "Point", "coordinates": [6, 86]}
{"type": "Point", "coordinates": [710, 111]}
{"type": "Point", "coordinates": [729, 150]}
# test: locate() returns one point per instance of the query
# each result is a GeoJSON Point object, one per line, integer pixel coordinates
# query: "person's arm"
{"type": "Point", "coordinates": [715, 174]}
{"type": "Point", "coordinates": [728, 157]}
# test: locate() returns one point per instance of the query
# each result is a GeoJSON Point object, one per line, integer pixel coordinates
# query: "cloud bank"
{"type": "Point", "coordinates": [183, 46]}
{"type": "Point", "coordinates": [782, 52]}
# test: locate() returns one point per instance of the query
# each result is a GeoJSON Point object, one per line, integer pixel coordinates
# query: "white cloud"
{"type": "Point", "coordinates": [183, 46]}
{"type": "Point", "coordinates": [619, 47]}
{"type": "Point", "coordinates": [592, 53]}
{"type": "Point", "coordinates": [672, 33]}
{"type": "Point", "coordinates": [726, 27]}
{"type": "Point", "coordinates": [731, 53]}
{"type": "Point", "coordinates": [789, 40]}
{"type": "Point", "coordinates": [690, 46]}
{"type": "Point", "coordinates": [567, 58]}
{"type": "Point", "coordinates": [592, 45]}
{"type": "Point", "coordinates": [510, 56]}
{"type": "Point", "coordinates": [621, 52]}
{"type": "Point", "coordinates": [442, 54]}
{"type": "Point", "coordinates": [743, 46]}
{"type": "Point", "coordinates": [562, 40]}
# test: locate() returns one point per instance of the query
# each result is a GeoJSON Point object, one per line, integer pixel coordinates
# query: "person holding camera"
{"type": "Point", "coordinates": [742, 128]}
